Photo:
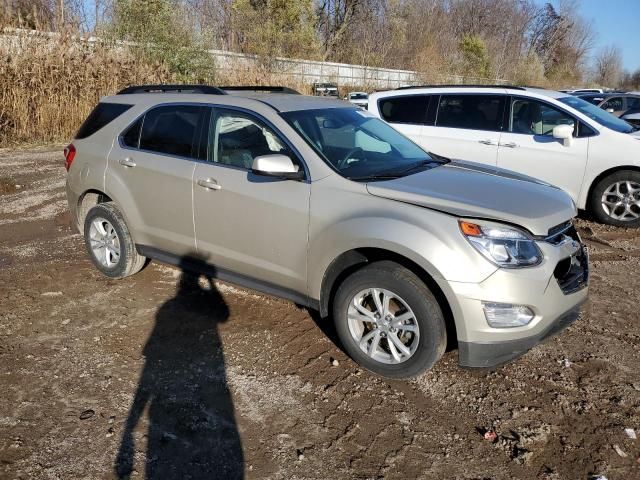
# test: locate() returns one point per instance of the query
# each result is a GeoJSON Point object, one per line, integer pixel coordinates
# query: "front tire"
{"type": "Point", "coordinates": [389, 321]}
{"type": "Point", "coordinates": [109, 242]}
{"type": "Point", "coordinates": [615, 200]}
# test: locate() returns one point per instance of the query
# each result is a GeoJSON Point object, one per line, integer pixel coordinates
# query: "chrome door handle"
{"type": "Point", "coordinates": [488, 142]}
{"type": "Point", "coordinates": [127, 162]}
{"type": "Point", "coordinates": [509, 145]}
{"type": "Point", "coordinates": [209, 184]}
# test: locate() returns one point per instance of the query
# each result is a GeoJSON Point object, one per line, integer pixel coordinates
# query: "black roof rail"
{"type": "Point", "coordinates": [260, 88]}
{"type": "Point", "coordinates": [514, 87]}
{"type": "Point", "coordinates": [207, 89]}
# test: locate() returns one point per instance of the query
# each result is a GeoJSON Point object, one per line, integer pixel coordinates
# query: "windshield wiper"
{"type": "Point", "coordinates": [375, 176]}
{"type": "Point", "coordinates": [415, 166]}
{"type": "Point", "coordinates": [392, 174]}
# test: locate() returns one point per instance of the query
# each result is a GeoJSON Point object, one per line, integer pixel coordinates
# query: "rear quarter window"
{"type": "Point", "coordinates": [404, 109]}
{"type": "Point", "coordinates": [103, 114]}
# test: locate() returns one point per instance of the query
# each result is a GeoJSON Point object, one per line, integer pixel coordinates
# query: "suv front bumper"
{"type": "Point", "coordinates": [554, 291]}
{"type": "Point", "coordinates": [493, 354]}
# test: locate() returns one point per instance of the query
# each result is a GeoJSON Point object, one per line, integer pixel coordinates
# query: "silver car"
{"type": "Point", "coordinates": [314, 200]}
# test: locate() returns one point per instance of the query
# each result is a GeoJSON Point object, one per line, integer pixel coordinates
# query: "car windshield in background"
{"type": "Point", "coordinates": [596, 113]}
{"type": "Point", "coordinates": [358, 96]}
{"type": "Point", "coordinates": [358, 145]}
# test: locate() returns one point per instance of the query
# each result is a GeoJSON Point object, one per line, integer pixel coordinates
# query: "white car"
{"type": "Point", "coordinates": [580, 91]}
{"type": "Point", "coordinates": [361, 99]}
{"type": "Point", "coordinates": [552, 136]}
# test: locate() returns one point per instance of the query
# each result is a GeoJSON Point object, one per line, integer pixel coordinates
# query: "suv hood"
{"type": "Point", "coordinates": [470, 190]}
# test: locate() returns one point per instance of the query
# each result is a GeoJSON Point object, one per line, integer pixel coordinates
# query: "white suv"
{"type": "Point", "coordinates": [550, 135]}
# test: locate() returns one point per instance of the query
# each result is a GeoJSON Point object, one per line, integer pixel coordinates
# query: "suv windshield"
{"type": "Point", "coordinates": [596, 113]}
{"type": "Point", "coordinates": [358, 145]}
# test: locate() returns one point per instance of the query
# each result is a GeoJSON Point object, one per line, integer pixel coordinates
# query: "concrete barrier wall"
{"type": "Point", "coordinates": [302, 71]}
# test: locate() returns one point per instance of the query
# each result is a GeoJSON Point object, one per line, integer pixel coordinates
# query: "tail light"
{"type": "Point", "coordinates": [69, 155]}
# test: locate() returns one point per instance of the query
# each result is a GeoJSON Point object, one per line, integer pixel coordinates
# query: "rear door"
{"type": "Point", "coordinates": [529, 147]}
{"type": "Point", "coordinates": [467, 127]}
{"type": "Point", "coordinates": [248, 224]}
{"type": "Point", "coordinates": [151, 175]}
{"type": "Point", "coordinates": [407, 114]}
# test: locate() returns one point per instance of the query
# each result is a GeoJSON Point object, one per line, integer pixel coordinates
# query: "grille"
{"type": "Point", "coordinates": [572, 273]}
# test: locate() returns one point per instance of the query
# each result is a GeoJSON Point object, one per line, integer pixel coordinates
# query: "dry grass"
{"type": "Point", "coordinates": [48, 88]}
{"type": "Point", "coordinates": [48, 85]}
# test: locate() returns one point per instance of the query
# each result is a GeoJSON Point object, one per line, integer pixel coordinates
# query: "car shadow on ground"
{"type": "Point", "coordinates": [191, 431]}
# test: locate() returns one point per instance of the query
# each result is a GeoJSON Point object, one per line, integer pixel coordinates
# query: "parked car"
{"type": "Point", "coordinates": [317, 201]}
{"type": "Point", "coordinates": [561, 139]}
{"type": "Point", "coordinates": [633, 117]}
{"type": "Point", "coordinates": [325, 89]}
{"type": "Point", "coordinates": [361, 99]}
{"type": "Point", "coordinates": [615, 103]}
{"type": "Point", "coordinates": [581, 91]}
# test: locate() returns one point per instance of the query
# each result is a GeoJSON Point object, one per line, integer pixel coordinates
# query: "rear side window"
{"type": "Point", "coordinates": [633, 102]}
{"type": "Point", "coordinates": [131, 138]}
{"type": "Point", "coordinates": [173, 130]}
{"type": "Point", "coordinates": [472, 112]}
{"type": "Point", "coordinates": [404, 109]}
{"type": "Point", "coordinates": [103, 114]}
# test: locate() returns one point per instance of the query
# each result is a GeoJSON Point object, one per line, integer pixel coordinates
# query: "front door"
{"type": "Point", "coordinates": [248, 224]}
{"type": "Point", "coordinates": [528, 146]}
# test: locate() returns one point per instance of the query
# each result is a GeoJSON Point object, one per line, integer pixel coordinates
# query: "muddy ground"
{"type": "Point", "coordinates": [164, 376]}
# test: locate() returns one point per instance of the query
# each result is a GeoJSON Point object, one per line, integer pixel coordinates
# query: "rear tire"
{"type": "Point", "coordinates": [400, 335]}
{"type": "Point", "coordinates": [109, 242]}
{"type": "Point", "coordinates": [615, 200]}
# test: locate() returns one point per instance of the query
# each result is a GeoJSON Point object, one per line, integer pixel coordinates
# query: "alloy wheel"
{"type": "Point", "coordinates": [383, 325]}
{"type": "Point", "coordinates": [104, 242]}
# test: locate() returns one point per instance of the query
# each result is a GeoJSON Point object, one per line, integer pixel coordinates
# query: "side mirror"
{"type": "Point", "coordinates": [564, 133]}
{"type": "Point", "coordinates": [276, 165]}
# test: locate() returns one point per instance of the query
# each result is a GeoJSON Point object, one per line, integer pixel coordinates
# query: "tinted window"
{"type": "Point", "coordinates": [100, 116]}
{"type": "Point", "coordinates": [531, 117]}
{"type": "Point", "coordinates": [172, 129]}
{"type": "Point", "coordinates": [131, 137]}
{"type": "Point", "coordinates": [633, 102]}
{"type": "Point", "coordinates": [238, 138]}
{"type": "Point", "coordinates": [473, 112]}
{"type": "Point", "coordinates": [614, 103]}
{"type": "Point", "coordinates": [404, 109]}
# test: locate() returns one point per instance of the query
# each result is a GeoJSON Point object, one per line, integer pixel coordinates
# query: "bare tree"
{"type": "Point", "coordinates": [608, 66]}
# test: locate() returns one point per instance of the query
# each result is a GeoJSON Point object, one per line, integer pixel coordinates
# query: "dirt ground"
{"type": "Point", "coordinates": [165, 376]}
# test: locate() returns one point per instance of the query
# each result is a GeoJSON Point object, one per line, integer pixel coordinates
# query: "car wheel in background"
{"type": "Point", "coordinates": [615, 200]}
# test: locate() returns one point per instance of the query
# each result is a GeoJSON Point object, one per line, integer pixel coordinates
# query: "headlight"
{"type": "Point", "coordinates": [502, 245]}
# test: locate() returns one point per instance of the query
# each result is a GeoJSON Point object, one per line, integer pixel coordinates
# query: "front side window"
{"type": "Point", "coordinates": [614, 104]}
{"type": "Point", "coordinates": [404, 109]}
{"type": "Point", "coordinates": [531, 117]}
{"type": "Point", "coordinates": [236, 139]}
{"type": "Point", "coordinates": [358, 145]}
{"type": "Point", "coordinates": [172, 130]}
{"type": "Point", "coordinates": [472, 112]}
